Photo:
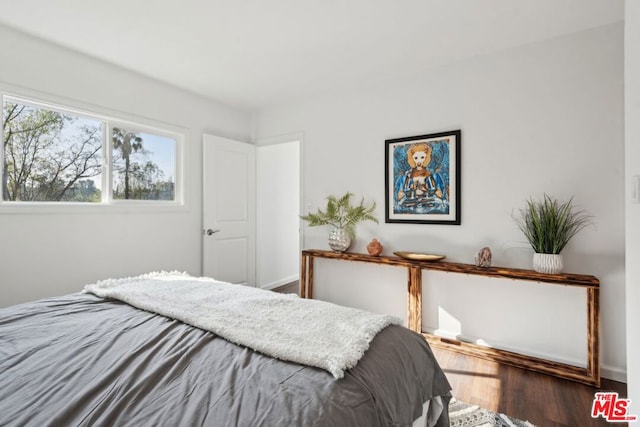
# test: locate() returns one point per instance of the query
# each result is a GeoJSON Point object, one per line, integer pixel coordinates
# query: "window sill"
{"type": "Point", "coordinates": [52, 208]}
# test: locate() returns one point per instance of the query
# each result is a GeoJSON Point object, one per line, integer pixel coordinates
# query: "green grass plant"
{"type": "Point", "coordinates": [549, 224]}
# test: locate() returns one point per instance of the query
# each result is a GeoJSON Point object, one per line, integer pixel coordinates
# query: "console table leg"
{"type": "Point", "coordinates": [303, 277]}
{"type": "Point", "coordinates": [310, 282]}
{"type": "Point", "coordinates": [593, 335]}
{"type": "Point", "coordinates": [414, 299]}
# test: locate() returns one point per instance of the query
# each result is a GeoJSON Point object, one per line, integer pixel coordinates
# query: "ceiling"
{"type": "Point", "coordinates": [252, 54]}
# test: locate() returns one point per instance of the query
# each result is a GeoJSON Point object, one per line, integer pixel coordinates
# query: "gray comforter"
{"type": "Point", "coordinates": [80, 360]}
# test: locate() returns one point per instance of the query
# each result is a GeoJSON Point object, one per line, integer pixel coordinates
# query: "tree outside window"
{"type": "Point", "coordinates": [51, 155]}
{"type": "Point", "coordinates": [143, 166]}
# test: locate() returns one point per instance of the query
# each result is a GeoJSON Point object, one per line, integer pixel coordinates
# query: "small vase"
{"type": "Point", "coordinates": [548, 263]}
{"type": "Point", "coordinates": [339, 240]}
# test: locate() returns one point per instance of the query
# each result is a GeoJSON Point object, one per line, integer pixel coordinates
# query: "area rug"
{"type": "Point", "coordinates": [466, 415]}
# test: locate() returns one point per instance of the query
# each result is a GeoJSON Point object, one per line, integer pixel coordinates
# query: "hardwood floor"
{"type": "Point", "coordinates": [541, 399]}
{"type": "Point", "coordinates": [289, 288]}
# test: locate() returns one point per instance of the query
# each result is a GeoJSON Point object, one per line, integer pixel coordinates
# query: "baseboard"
{"type": "Point", "coordinates": [281, 282]}
{"type": "Point", "coordinates": [612, 373]}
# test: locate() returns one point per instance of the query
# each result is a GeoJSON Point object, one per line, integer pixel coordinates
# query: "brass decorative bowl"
{"type": "Point", "coordinates": [417, 256]}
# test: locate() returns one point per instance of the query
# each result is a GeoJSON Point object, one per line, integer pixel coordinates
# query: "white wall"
{"type": "Point", "coordinates": [278, 210]}
{"type": "Point", "coordinates": [56, 253]}
{"type": "Point", "coordinates": [546, 117]}
{"type": "Point", "coordinates": [632, 157]}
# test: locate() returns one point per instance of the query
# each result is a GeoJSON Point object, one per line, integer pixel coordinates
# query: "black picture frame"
{"type": "Point", "coordinates": [422, 179]}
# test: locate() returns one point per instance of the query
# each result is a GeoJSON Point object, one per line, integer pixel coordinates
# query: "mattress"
{"type": "Point", "coordinates": [80, 360]}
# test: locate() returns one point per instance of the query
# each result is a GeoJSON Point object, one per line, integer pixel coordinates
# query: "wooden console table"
{"type": "Point", "coordinates": [589, 375]}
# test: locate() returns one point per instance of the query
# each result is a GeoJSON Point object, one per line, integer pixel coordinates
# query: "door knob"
{"type": "Point", "coordinates": [209, 231]}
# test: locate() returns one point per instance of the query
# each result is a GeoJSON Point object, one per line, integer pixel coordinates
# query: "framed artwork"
{"type": "Point", "coordinates": [422, 179]}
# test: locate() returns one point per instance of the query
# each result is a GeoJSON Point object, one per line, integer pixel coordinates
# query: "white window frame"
{"type": "Point", "coordinates": [109, 121]}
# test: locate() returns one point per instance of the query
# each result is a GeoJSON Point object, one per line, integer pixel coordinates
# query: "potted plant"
{"type": "Point", "coordinates": [344, 217]}
{"type": "Point", "coordinates": [548, 225]}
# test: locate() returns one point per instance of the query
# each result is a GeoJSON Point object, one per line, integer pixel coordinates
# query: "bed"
{"type": "Point", "coordinates": [89, 360]}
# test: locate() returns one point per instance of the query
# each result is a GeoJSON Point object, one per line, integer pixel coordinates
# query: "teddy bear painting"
{"type": "Point", "coordinates": [419, 183]}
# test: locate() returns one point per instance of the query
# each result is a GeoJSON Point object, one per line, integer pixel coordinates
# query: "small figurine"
{"type": "Point", "coordinates": [483, 259]}
{"type": "Point", "coordinates": [374, 248]}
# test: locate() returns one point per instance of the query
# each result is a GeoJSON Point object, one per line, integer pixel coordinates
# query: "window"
{"type": "Point", "coordinates": [55, 154]}
{"type": "Point", "coordinates": [143, 165]}
{"type": "Point", "coordinates": [50, 155]}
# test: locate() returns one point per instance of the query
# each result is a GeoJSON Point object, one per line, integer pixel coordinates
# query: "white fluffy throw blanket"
{"type": "Point", "coordinates": [283, 326]}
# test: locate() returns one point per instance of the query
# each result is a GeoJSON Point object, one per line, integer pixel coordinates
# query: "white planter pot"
{"type": "Point", "coordinates": [548, 263]}
{"type": "Point", "coordinates": [339, 240]}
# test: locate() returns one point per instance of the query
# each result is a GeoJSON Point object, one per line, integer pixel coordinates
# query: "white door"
{"type": "Point", "coordinates": [229, 210]}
